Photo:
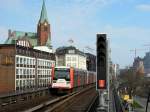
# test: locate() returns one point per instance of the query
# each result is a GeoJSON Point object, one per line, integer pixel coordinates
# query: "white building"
{"type": "Point", "coordinates": [33, 68]}
{"type": "Point", "coordinates": [70, 57]}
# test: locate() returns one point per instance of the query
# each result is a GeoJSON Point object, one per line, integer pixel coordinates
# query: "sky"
{"type": "Point", "coordinates": [126, 23]}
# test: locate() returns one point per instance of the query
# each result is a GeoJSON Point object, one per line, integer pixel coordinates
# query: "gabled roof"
{"type": "Point", "coordinates": [43, 16]}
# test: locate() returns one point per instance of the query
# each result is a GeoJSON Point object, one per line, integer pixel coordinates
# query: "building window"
{"type": "Point", "coordinates": [17, 83]}
{"type": "Point", "coordinates": [30, 71]}
{"type": "Point", "coordinates": [33, 72]}
{"type": "Point", "coordinates": [21, 71]}
{"type": "Point", "coordinates": [17, 60]}
{"type": "Point", "coordinates": [24, 60]}
{"type": "Point", "coordinates": [68, 58]}
{"type": "Point", "coordinates": [73, 58]}
{"type": "Point", "coordinates": [30, 61]}
{"type": "Point", "coordinates": [17, 76]}
{"type": "Point", "coordinates": [24, 71]}
{"type": "Point", "coordinates": [69, 64]}
{"type": "Point", "coordinates": [27, 71]}
{"type": "Point", "coordinates": [17, 71]}
{"type": "Point", "coordinates": [71, 51]}
{"type": "Point", "coordinates": [27, 61]}
{"type": "Point", "coordinates": [33, 62]}
{"type": "Point", "coordinates": [21, 61]}
{"type": "Point", "coordinates": [21, 83]}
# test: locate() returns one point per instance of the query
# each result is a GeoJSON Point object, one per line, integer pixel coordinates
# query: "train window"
{"type": "Point", "coordinates": [62, 74]}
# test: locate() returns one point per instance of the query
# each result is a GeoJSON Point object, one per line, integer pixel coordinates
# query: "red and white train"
{"type": "Point", "coordinates": [69, 78]}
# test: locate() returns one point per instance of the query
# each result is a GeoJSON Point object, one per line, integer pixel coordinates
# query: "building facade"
{"type": "Point", "coordinates": [146, 61]}
{"type": "Point", "coordinates": [138, 65]}
{"type": "Point", "coordinates": [91, 62]}
{"type": "Point", "coordinates": [24, 68]}
{"type": "Point", "coordinates": [70, 57]}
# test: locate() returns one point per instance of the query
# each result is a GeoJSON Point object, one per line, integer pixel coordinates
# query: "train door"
{"type": "Point", "coordinates": [72, 77]}
{"type": "Point", "coordinates": [79, 78]}
{"type": "Point", "coordinates": [52, 74]}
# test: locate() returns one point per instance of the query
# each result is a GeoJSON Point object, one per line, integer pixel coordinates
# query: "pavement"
{"type": "Point", "coordinates": [142, 102]}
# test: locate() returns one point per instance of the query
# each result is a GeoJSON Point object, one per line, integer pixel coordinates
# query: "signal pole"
{"type": "Point", "coordinates": [135, 51]}
{"type": "Point", "coordinates": [102, 70]}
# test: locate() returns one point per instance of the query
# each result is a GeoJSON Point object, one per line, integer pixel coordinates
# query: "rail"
{"type": "Point", "coordinates": [94, 103]}
{"type": "Point", "coordinates": [118, 104]}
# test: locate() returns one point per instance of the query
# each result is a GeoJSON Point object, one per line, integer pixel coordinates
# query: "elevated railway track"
{"type": "Point", "coordinates": [75, 102]}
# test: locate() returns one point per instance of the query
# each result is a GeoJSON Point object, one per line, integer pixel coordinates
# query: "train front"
{"type": "Point", "coordinates": [61, 79]}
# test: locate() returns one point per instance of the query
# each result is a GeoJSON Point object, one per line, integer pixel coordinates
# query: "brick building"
{"type": "Point", "coordinates": [23, 68]}
{"type": "Point", "coordinates": [138, 65]}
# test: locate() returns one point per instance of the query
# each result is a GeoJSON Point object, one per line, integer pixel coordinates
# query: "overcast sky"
{"type": "Point", "coordinates": [126, 22]}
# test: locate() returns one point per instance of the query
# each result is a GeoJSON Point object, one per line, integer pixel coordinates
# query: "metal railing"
{"type": "Point", "coordinates": [118, 104]}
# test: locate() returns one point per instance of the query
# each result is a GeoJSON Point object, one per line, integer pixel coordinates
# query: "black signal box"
{"type": "Point", "coordinates": [101, 64]}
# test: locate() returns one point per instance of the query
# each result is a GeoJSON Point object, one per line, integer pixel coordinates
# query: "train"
{"type": "Point", "coordinates": [67, 79]}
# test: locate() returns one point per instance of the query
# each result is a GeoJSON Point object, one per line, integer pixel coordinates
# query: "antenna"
{"type": "Point", "coordinates": [135, 51]}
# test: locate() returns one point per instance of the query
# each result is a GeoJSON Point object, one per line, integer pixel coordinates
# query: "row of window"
{"type": "Point", "coordinates": [25, 60]}
{"type": "Point", "coordinates": [72, 65]}
{"type": "Point", "coordinates": [25, 71]}
{"type": "Point", "coordinates": [71, 58]}
{"type": "Point", "coordinates": [25, 76]}
{"type": "Point", "coordinates": [44, 67]}
{"type": "Point", "coordinates": [21, 83]}
{"type": "Point", "coordinates": [31, 61]}
{"type": "Point", "coordinates": [45, 63]}
{"type": "Point", "coordinates": [44, 72]}
{"type": "Point", "coordinates": [83, 66]}
{"type": "Point", "coordinates": [23, 43]}
{"type": "Point", "coordinates": [32, 76]}
{"type": "Point", "coordinates": [43, 76]}
{"type": "Point", "coordinates": [32, 72]}
{"type": "Point", "coordinates": [32, 53]}
{"type": "Point", "coordinates": [31, 82]}
{"type": "Point", "coordinates": [43, 81]}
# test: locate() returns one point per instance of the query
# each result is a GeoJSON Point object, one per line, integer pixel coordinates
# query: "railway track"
{"type": "Point", "coordinates": [74, 102]}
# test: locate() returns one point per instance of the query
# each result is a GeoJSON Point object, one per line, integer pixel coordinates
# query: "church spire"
{"type": "Point", "coordinates": [43, 16]}
{"type": "Point", "coordinates": [43, 28]}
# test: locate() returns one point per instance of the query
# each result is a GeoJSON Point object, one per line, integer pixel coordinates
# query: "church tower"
{"type": "Point", "coordinates": [43, 28]}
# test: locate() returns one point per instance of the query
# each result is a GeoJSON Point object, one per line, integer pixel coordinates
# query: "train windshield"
{"type": "Point", "coordinates": [62, 74]}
